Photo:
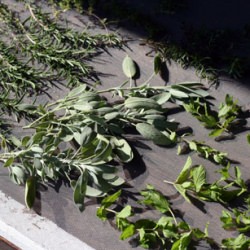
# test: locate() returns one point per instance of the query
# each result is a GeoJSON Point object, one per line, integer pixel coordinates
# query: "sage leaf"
{"type": "Point", "coordinates": [151, 133]}
{"type": "Point", "coordinates": [85, 136]}
{"type": "Point", "coordinates": [9, 162]}
{"type": "Point", "coordinates": [93, 192]}
{"type": "Point", "coordinates": [76, 91]}
{"type": "Point", "coordinates": [122, 149]}
{"type": "Point", "coordinates": [129, 67]}
{"type": "Point", "coordinates": [141, 103]}
{"type": "Point", "coordinates": [177, 93]}
{"type": "Point", "coordinates": [248, 138]}
{"type": "Point", "coordinates": [30, 191]}
{"type": "Point", "coordinates": [80, 190]}
{"type": "Point", "coordinates": [162, 97]}
{"type": "Point", "coordinates": [157, 64]}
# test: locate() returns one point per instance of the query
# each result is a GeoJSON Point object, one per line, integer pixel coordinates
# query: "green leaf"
{"type": "Point", "coordinates": [199, 177]}
{"type": "Point", "coordinates": [108, 201]}
{"type": "Point", "coordinates": [183, 176]}
{"type": "Point", "coordinates": [182, 191]}
{"type": "Point", "coordinates": [178, 93]}
{"type": "Point", "coordinates": [18, 174]}
{"type": "Point", "coordinates": [36, 149]}
{"type": "Point", "coordinates": [216, 132]}
{"type": "Point", "coordinates": [125, 212]}
{"type": "Point", "coordinates": [241, 242]}
{"type": "Point", "coordinates": [157, 64]}
{"type": "Point", "coordinates": [162, 97]}
{"type": "Point", "coordinates": [224, 110]}
{"type": "Point", "coordinates": [248, 138]}
{"type": "Point", "coordinates": [151, 133]}
{"type": "Point", "coordinates": [76, 91]}
{"type": "Point", "coordinates": [85, 136]}
{"type": "Point", "coordinates": [129, 67]}
{"type": "Point", "coordinates": [80, 190]}
{"type": "Point", "coordinates": [111, 116]}
{"type": "Point", "coordinates": [183, 242]}
{"type": "Point", "coordinates": [8, 162]}
{"type": "Point", "coordinates": [103, 151]}
{"type": "Point", "coordinates": [141, 103]}
{"type": "Point", "coordinates": [155, 199]}
{"type": "Point", "coordinates": [122, 149]}
{"type": "Point", "coordinates": [15, 141]}
{"type": "Point", "coordinates": [128, 232]}
{"type": "Point", "coordinates": [93, 192]}
{"type": "Point", "coordinates": [30, 191]}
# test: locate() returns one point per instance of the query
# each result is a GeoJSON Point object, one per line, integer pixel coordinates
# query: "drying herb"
{"type": "Point", "coordinates": [204, 151]}
{"type": "Point", "coordinates": [192, 182]}
{"type": "Point", "coordinates": [241, 242]}
{"type": "Point", "coordinates": [18, 77]}
{"type": "Point", "coordinates": [237, 220]}
{"type": "Point", "coordinates": [60, 51]}
{"type": "Point", "coordinates": [224, 121]}
{"type": "Point", "coordinates": [164, 232]}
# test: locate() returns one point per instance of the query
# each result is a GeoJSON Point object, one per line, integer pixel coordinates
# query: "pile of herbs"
{"type": "Point", "coordinates": [83, 138]}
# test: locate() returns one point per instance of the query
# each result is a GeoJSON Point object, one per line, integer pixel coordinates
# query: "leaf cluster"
{"type": "Point", "coordinates": [191, 182]}
{"type": "Point", "coordinates": [59, 51]}
{"type": "Point", "coordinates": [237, 220]}
{"type": "Point", "coordinates": [204, 151]}
{"type": "Point", "coordinates": [164, 232]}
{"type": "Point", "coordinates": [224, 121]}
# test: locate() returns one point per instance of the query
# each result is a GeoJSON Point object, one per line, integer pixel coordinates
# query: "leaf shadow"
{"type": "Point", "coordinates": [136, 167]}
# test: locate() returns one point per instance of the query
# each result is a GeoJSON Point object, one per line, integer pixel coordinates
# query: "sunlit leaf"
{"type": "Point", "coordinates": [129, 67]}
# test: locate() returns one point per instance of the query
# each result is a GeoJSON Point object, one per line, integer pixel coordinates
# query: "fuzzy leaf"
{"type": "Point", "coordinates": [141, 103]}
{"type": "Point", "coordinates": [151, 133]}
{"type": "Point", "coordinates": [178, 93]}
{"type": "Point", "coordinates": [80, 190]}
{"type": "Point", "coordinates": [248, 138]}
{"type": "Point", "coordinates": [30, 191]}
{"type": "Point", "coordinates": [122, 149]}
{"type": "Point", "coordinates": [129, 67]}
{"type": "Point", "coordinates": [157, 64]}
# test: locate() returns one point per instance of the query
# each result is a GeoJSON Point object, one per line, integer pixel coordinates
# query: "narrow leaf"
{"type": "Point", "coordinates": [30, 191]}
{"type": "Point", "coordinates": [157, 64]}
{"type": "Point", "coordinates": [80, 190]}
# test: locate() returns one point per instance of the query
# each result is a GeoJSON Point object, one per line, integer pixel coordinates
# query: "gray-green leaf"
{"type": "Point", "coordinates": [129, 67]}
